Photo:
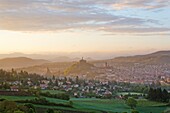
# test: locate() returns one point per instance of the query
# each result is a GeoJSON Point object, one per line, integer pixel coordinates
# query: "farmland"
{"type": "Point", "coordinates": [98, 105]}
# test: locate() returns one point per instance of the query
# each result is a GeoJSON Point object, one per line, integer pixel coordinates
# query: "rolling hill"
{"type": "Point", "coordinates": [156, 58]}
{"type": "Point", "coordinates": [160, 57]}
{"type": "Point", "coordinates": [79, 67]}
{"type": "Point", "coordinates": [60, 68]}
{"type": "Point", "coordinates": [19, 62]}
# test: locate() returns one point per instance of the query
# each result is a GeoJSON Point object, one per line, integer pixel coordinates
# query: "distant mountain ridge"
{"type": "Point", "coordinates": [18, 62]}
{"type": "Point", "coordinates": [74, 67]}
{"type": "Point", "coordinates": [160, 53]}
{"type": "Point", "coordinates": [50, 57]}
{"type": "Point", "coordinates": [40, 65]}
{"type": "Point", "coordinates": [156, 57]}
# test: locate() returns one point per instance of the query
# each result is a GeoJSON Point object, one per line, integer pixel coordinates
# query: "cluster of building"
{"type": "Point", "coordinates": [135, 73]}
{"type": "Point", "coordinates": [102, 84]}
{"type": "Point", "coordinates": [74, 85]}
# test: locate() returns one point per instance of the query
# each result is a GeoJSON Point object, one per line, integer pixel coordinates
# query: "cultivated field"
{"type": "Point", "coordinates": [98, 105]}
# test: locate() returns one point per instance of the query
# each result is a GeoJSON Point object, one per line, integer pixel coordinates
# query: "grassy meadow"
{"type": "Point", "coordinates": [99, 105]}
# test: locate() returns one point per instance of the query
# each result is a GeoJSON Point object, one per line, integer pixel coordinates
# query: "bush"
{"type": "Point", "coordinates": [158, 95]}
{"type": "Point", "coordinates": [62, 96]}
{"type": "Point", "coordinates": [134, 111]}
{"type": "Point", "coordinates": [43, 101]}
{"type": "Point", "coordinates": [71, 103]}
{"type": "Point", "coordinates": [50, 111]}
{"type": "Point", "coordinates": [57, 112]}
{"type": "Point", "coordinates": [30, 106]}
{"type": "Point", "coordinates": [2, 99]}
{"type": "Point", "coordinates": [18, 111]}
{"type": "Point", "coordinates": [31, 110]}
{"type": "Point", "coordinates": [12, 107]}
{"type": "Point", "coordinates": [131, 102]}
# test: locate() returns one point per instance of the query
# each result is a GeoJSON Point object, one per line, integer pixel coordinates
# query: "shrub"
{"type": "Point", "coordinates": [62, 96]}
{"type": "Point", "coordinates": [71, 103]}
{"type": "Point", "coordinates": [57, 112]}
{"type": "Point", "coordinates": [131, 102]}
{"type": "Point", "coordinates": [43, 101]}
{"type": "Point", "coordinates": [50, 111]}
{"type": "Point", "coordinates": [30, 106]}
{"type": "Point", "coordinates": [18, 111]}
{"type": "Point", "coordinates": [134, 111]}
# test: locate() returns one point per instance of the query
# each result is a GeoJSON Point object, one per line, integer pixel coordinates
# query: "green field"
{"type": "Point", "coordinates": [52, 91]}
{"type": "Point", "coordinates": [115, 105]}
{"type": "Point", "coordinates": [15, 98]}
{"type": "Point", "coordinates": [100, 105]}
{"type": "Point", "coordinates": [131, 93]}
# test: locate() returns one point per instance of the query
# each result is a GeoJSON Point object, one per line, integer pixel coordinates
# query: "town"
{"type": "Point", "coordinates": [105, 81]}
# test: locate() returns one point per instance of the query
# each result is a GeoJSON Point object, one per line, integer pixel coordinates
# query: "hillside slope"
{"type": "Point", "coordinates": [19, 62]}
{"type": "Point", "coordinates": [157, 58]}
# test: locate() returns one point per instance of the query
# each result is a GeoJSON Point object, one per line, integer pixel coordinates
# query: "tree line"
{"type": "Point", "coordinates": [159, 95]}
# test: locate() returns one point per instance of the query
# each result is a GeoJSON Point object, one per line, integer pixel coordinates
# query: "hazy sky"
{"type": "Point", "coordinates": [42, 26]}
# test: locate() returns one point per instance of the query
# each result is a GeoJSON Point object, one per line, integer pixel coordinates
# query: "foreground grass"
{"type": "Point", "coordinates": [146, 103]}
{"type": "Point", "coordinates": [98, 105]}
{"type": "Point", "coordinates": [144, 106]}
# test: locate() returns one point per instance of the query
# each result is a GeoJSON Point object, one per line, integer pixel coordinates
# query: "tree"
{"type": "Point", "coordinates": [165, 96]}
{"type": "Point", "coordinates": [23, 108]}
{"type": "Point", "coordinates": [31, 110]}
{"type": "Point", "coordinates": [18, 111]}
{"type": "Point", "coordinates": [131, 102]}
{"type": "Point", "coordinates": [50, 111]}
{"type": "Point", "coordinates": [65, 79]}
{"type": "Point", "coordinates": [71, 102]}
{"type": "Point", "coordinates": [158, 95]}
{"type": "Point", "coordinates": [8, 106]}
{"type": "Point", "coordinates": [77, 79]}
{"type": "Point", "coordinates": [58, 112]}
{"type": "Point", "coordinates": [50, 82]}
{"type": "Point", "coordinates": [134, 111]}
{"type": "Point", "coordinates": [30, 106]}
{"type": "Point", "coordinates": [56, 82]}
{"type": "Point", "coordinates": [53, 77]}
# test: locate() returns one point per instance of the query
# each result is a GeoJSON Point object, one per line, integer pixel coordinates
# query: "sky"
{"type": "Point", "coordinates": [87, 26]}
